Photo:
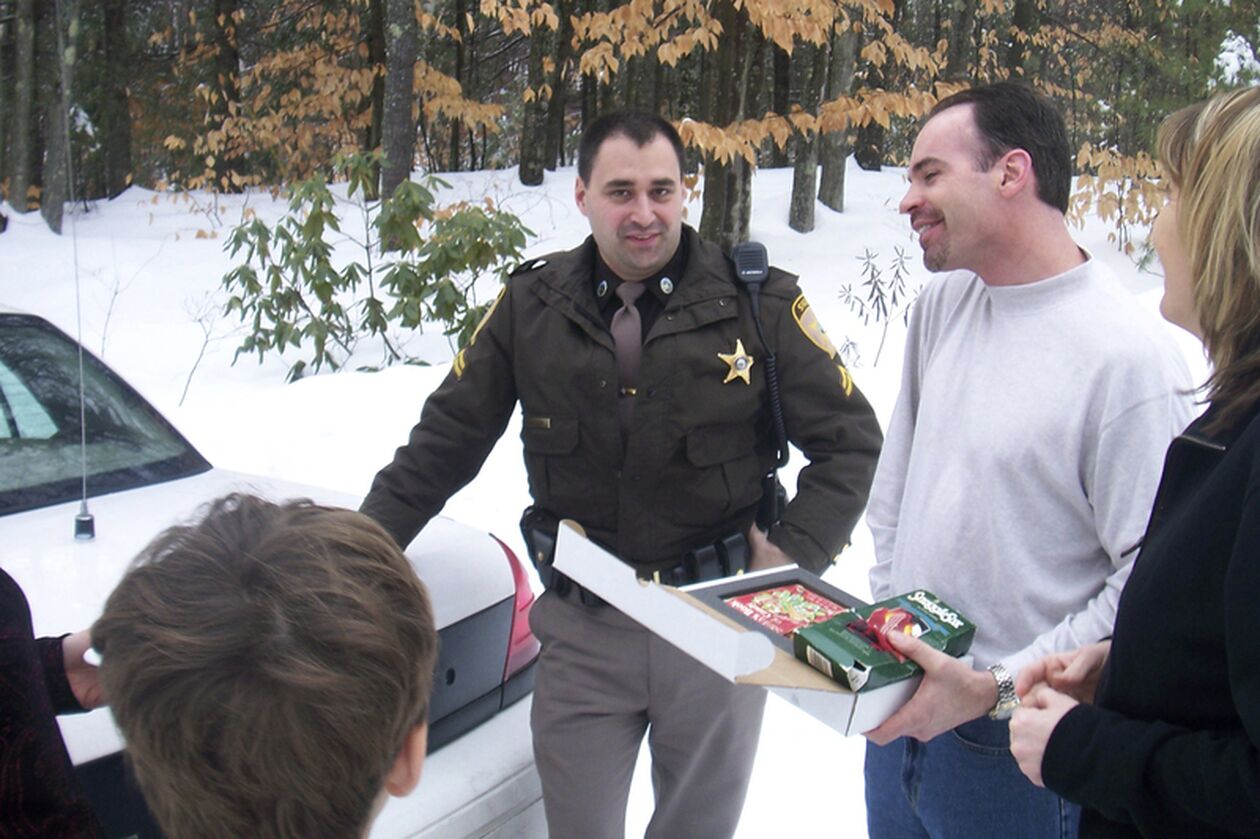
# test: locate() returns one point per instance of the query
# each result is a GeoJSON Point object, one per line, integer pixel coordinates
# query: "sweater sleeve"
{"type": "Point", "coordinates": [1154, 774]}
{"type": "Point", "coordinates": [1121, 477]}
{"type": "Point", "coordinates": [884, 510]}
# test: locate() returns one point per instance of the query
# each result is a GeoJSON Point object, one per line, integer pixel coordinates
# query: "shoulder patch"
{"type": "Point", "coordinates": [528, 265]}
{"type": "Point", "coordinates": [461, 362]}
{"type": "Point", "coordinates": [808, 323]}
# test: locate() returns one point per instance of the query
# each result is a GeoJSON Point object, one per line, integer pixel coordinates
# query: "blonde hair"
{"type": "Point", "coordinates": [1211, 152]}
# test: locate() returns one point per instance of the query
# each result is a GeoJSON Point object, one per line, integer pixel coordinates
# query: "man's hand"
{"type": "Point", "coordinates": [84, 678]}
{"type": "Point", "coordinates": [1031, 725]}
{"type": "Point", "coordinates": [1074, 673]}
{"type": "Point", "coordinates": [765, 554]}
{"type": "Point", "coordinates": [950, 694]}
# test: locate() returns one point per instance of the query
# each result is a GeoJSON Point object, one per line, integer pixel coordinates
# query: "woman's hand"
{"type": "Point", "coordinates": [1074, 673]}
{"type": "Point", "coordinates": [84, 678]}
{"type": "Point", "coordinates": [1031, 725]}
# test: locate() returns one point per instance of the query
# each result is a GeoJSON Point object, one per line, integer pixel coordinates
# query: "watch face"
{"type": "Point", "coordinates": [1004, 709]}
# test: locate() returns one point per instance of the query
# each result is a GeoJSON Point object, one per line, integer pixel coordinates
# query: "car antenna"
{"type": "Point", "coordinates": [84, 522]}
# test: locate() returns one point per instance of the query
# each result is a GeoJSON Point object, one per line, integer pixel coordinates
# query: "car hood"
{"type": "Point", "coordinates": [67, 580]}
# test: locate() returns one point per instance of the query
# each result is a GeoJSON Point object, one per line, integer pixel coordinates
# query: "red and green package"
{"type": "Point", "coordinates": [783, 609]}
{"type": "Point", "coordinates": [852, 647]}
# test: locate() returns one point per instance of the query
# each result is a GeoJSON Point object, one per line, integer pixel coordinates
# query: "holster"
{"type": "Point", "coordinates": [724, 558]}
{"type": "Point", "coordinates": [538, 529]}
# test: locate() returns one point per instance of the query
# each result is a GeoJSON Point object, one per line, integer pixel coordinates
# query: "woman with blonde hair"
{"type": "Point", "coordinates": [1157, 731]}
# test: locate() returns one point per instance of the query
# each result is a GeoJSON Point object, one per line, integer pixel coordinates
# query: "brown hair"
{"type": "Point", "coordinates": [265, 666]}
{"type": "Point", "coordinates": [1011, 115]}
{"type": "Point", "coordinates": [1211, 152]}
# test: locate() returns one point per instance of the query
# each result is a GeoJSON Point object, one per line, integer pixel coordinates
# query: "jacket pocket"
{"type": "Point", "coordinates": [548, 444]}
{"type": "Point", "coordinates": [720, 477]}
{"type": "Point", "coordinates": [549, 435]}
{"type": "Point", "coordinates": [714, 444]}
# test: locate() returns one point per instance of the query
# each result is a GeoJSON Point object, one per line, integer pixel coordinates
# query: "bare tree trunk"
{"type": "Point", "coordinates": [957, 57]}
{"type": "Point", "coordinates": [453, 152]}
{"type": "Point", "coordinates": [376, 99]}
{"type": "Point", "coordinates": [1024, 22]}
{"type": "Point", "coordinates": [559, 88]}
{"type": "Point", "coordinates": [398, 125]}
{"type": "Point", "coordinates": [781, 96]}
{"type": "Point", "coordinates": [56, 57]}
{"type": "Point", "coordinates": [534, 115]}
{"type": "Point", "coordinates": [8, 16]}
{"type": "Point", "coordinates": [869, 147]}
{"type": "Point", "coordinates": [226, 82]}
{"type": "Point", "coordinates": [727, 186]}
{"type": "Point", "coordinates": [640, 83]}
{"type": "Point", "coordinates": [805, 153]}
{"type": "Point", "coordinates": [115, 114]}
{"type": "Point", "coordinates": [834, 145]}
{"type": "Point", "coordinates": [22, 174]}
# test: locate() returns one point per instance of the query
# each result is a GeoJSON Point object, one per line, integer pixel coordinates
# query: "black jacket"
{"type": "Point", "coordinates": [698, 446]}
{"type": "Point", "coordinates": [39, 796]}
{"type": "Point", "coordinates": [1172, 747]}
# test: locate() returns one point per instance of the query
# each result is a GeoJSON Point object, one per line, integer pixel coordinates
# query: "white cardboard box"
{"type": "Point", "coordinates": [718, 642]}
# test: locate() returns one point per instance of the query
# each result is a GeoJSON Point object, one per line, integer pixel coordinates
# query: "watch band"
{"type": "Point", "coordinates": [1007, 701]}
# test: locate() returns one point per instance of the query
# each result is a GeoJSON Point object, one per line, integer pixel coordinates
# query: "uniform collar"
{"type": "Point", "coordinates": [660, 285]}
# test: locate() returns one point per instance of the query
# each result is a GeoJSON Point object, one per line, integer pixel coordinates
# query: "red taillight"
{"type": "Point", "coordinates": [523, 647]}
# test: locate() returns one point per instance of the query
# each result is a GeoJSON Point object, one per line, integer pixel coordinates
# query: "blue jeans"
{"type": "Point", "coordinates": [963, 784]}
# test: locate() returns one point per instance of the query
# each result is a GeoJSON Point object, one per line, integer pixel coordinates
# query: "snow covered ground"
{"type": "Point", "coordinates": [149, 269]}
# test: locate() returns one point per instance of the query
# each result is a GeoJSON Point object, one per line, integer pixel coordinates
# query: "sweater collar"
{"type": "Point", "coordinates": [1043, 294]}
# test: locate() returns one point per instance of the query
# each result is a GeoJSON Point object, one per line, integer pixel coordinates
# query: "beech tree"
{"type": "Point", "coordinates": [23, 141]}
{"type": "Point", "coordinates": [229, 94]}
{"type": "Point", "coordinates": [398, 124]}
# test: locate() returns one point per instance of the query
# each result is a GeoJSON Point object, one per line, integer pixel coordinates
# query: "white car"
{"type": "Point", "coordinates": [142, 476]}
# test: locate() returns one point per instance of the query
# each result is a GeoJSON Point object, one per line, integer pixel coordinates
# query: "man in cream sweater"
{"type": "Point", "coordinates": [1021, 462]}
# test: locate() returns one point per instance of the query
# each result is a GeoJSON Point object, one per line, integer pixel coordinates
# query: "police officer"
{"type": "Point", "coordinates": [641, 378]}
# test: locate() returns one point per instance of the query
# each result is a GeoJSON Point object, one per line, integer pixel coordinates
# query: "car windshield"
{"type": "Point", "coordinates": [128, 444]}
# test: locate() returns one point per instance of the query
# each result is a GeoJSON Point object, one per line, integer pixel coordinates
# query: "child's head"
{"type": "Point", "coordinates": [270, 668]}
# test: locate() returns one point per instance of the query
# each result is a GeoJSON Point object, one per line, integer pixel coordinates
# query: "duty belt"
{"type": "Point", "coordinates": [722, 558]}
{"type": "Point", "coordinates": [725, 557]}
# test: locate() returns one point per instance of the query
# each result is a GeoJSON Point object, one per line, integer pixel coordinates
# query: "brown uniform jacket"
{"type": "Point", "coordinates": [698, 445]}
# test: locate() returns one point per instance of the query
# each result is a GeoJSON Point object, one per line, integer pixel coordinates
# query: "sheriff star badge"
{"type": "Point", "coordinates": [739, 363]}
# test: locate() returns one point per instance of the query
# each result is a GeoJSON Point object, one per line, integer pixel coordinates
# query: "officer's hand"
{"type": "Point", "coordinates": [950, 694]}
{"type": "Point", "coordinates": [765, 554]}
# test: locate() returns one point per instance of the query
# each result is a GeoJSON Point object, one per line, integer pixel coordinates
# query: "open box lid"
{"type": "Point", "coordinates": [729, 649]}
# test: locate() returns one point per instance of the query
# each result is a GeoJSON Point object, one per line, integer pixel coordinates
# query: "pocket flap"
{"type": "Point", "coordinates": [549, 435]}
{"type": "Point", "coordinates": [714, 444]}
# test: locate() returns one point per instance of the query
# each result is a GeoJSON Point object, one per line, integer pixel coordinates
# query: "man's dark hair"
{"type": "Point", "coordinates": [639, 126]}
{"type": "Point", "coordinates": [265, 665]}
{"type": "Point", "coordinates": [1014, 116]}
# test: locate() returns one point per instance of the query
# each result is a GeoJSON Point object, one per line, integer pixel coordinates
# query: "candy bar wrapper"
{"type": "Point", "coordinates": [784, 609]}
{"type": "Point", "coordinates": [852, 647]}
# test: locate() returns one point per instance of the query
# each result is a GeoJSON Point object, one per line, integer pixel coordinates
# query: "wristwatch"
{"type": "Point", "coordinates": [1007, 701]}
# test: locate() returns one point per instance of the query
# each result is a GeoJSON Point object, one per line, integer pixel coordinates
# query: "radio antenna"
{"type": "Point", "coordinates": [84, 522]}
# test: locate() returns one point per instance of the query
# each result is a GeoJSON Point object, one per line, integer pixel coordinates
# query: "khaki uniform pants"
{"type": "Point", "coordinates": [602, 681]}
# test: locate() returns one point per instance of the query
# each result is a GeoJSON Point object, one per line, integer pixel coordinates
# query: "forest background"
{"type": "Point", "coordinates": [218, 96]}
